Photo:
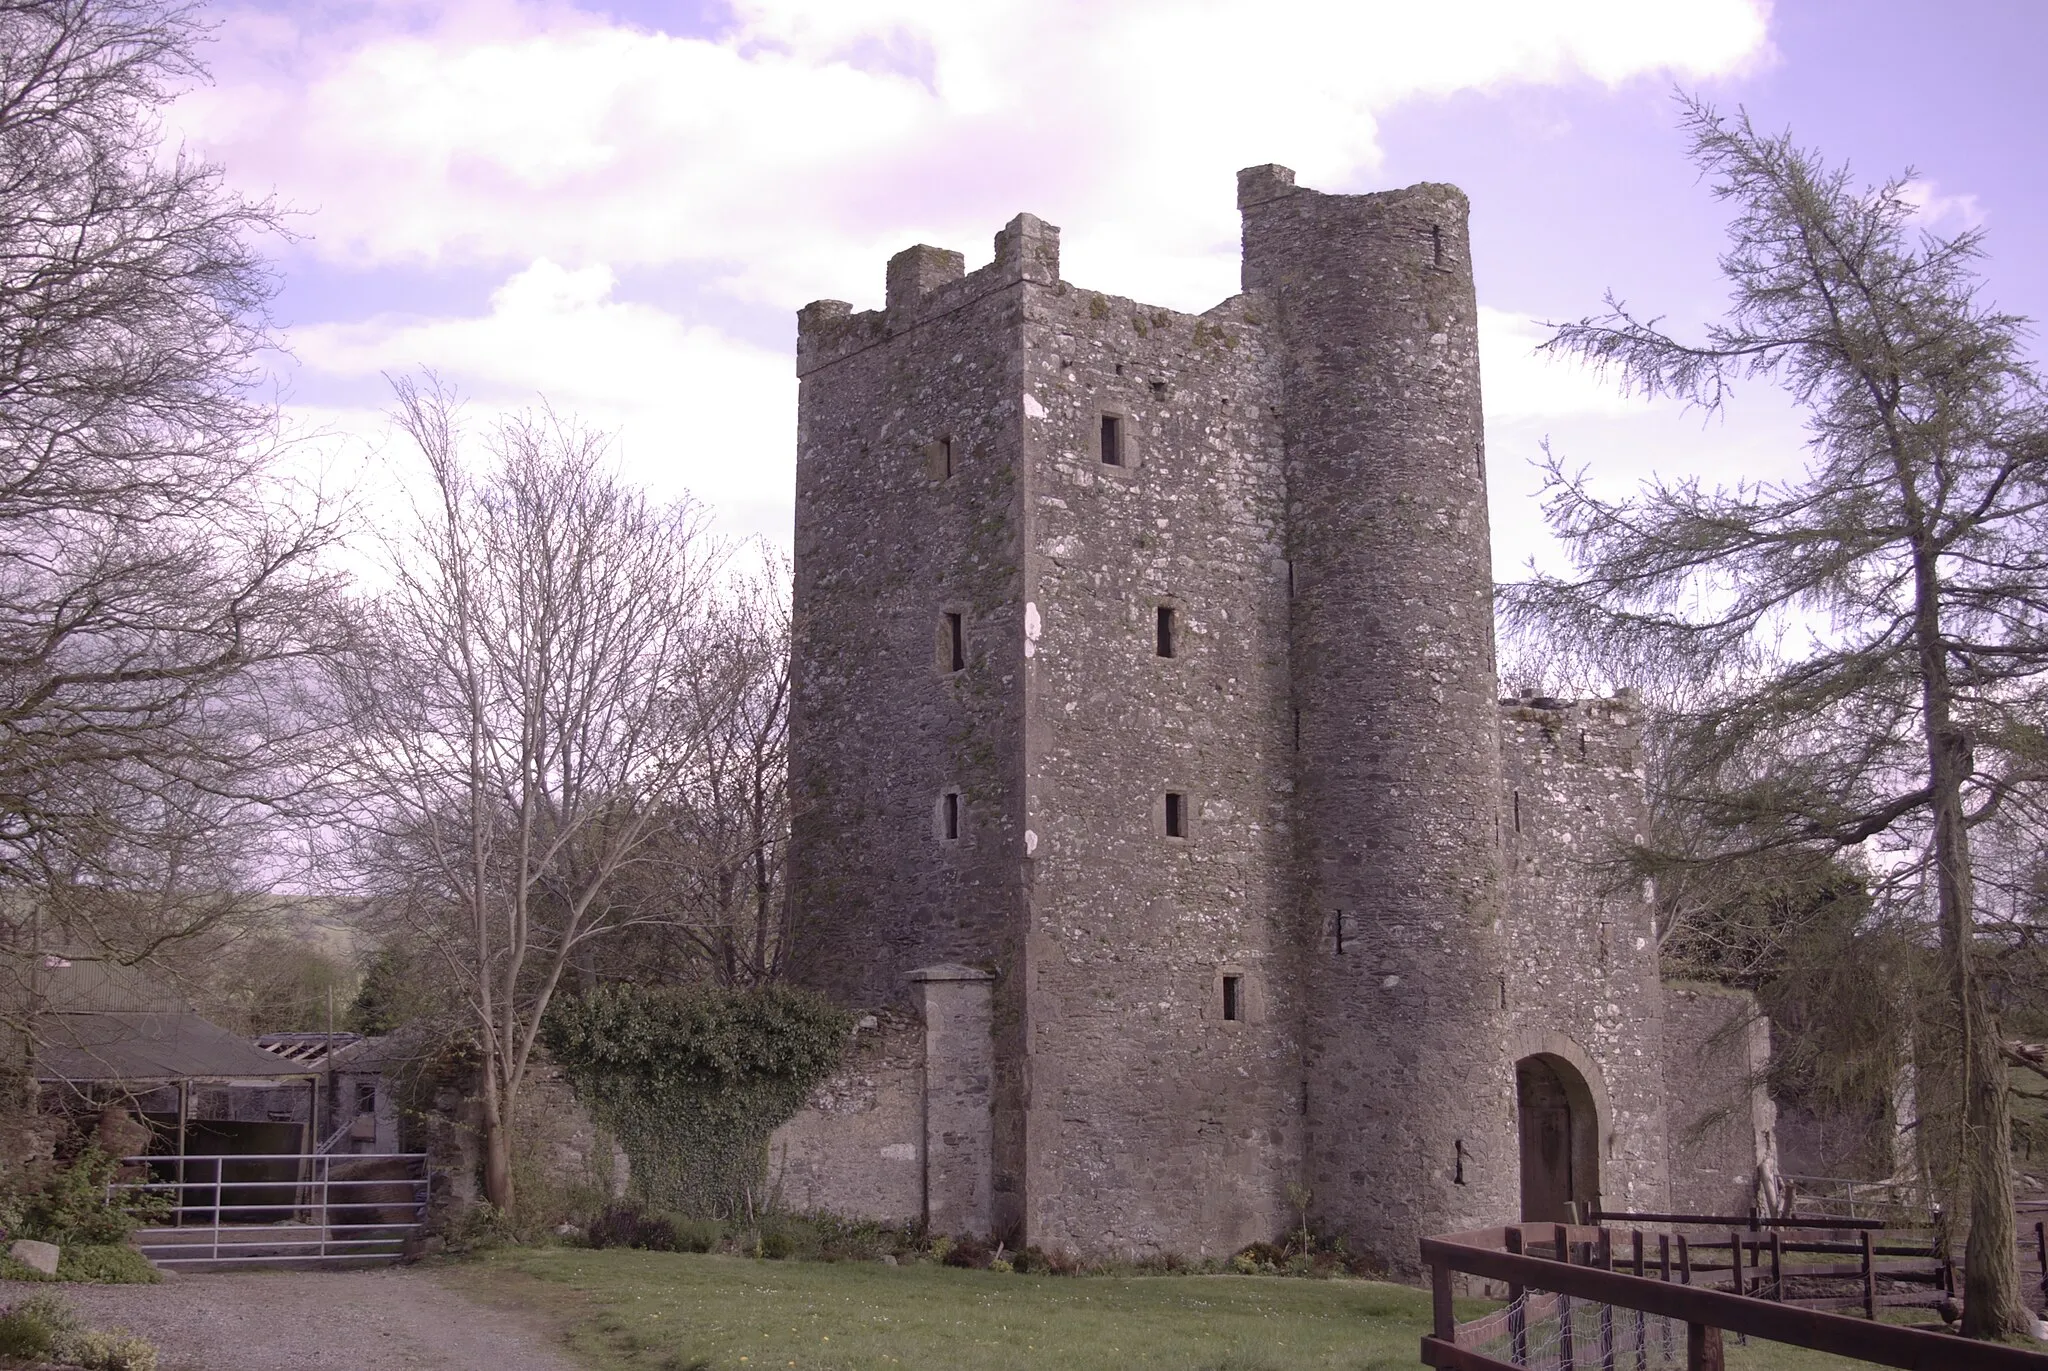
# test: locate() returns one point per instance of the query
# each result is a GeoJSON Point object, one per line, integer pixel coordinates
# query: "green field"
{"type": "Point", "coordinates": [653, 1311]}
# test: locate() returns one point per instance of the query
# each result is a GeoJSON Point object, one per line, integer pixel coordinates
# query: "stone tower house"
{"type": "Point", "coordinates": [1146, 743]}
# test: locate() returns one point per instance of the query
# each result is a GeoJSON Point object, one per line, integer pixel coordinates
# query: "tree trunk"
{"type": "Point", "coordinates": [497, 1142]}
{"type": "Point", "coordinates": [1992, 1307]}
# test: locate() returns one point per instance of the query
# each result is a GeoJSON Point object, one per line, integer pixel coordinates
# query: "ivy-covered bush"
{"type": "Point", "coordinates": [693, 1079]}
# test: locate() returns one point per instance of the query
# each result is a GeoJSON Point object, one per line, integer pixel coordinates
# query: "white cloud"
{"type": "Point", "coordinates": [791, 155]}
{"type": "Point", "coordinates": [1521, 383]}
{"type": "Point", "coordinates": [693, 409]}
{"type": "Point", "coordinates": [787, 158]}
{"type": "Point", "coordinates": [1938, 211]}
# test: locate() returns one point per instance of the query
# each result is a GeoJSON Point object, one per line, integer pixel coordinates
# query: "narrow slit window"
{"type": "Point", "coordinates": [1164, 643]}
{"type": "Point", "coordinates": [952, 816]}
{"type": "Point", "coordinates": [1233, 998]}
{"type": "Point", "coordinates": [1112, 441]}
{"type": "Point", "coordinates": [1176, 814]}
{"type": "Point", "coordinates": [946, 457]}
{"type": "Point", "coordinates": [956, 643]}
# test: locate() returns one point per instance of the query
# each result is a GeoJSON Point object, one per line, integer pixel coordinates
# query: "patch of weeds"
{"type": "Point", "coordinates": [42, 1328]}
{"type": "Point", "coordinates": [31, 1328]}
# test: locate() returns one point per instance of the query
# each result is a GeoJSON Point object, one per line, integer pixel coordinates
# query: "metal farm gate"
{"type": "Point", "coordinates": [282, 1207]}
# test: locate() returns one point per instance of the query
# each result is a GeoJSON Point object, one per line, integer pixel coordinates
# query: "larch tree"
{"type": "Point", "coordinates": [1865, 639]}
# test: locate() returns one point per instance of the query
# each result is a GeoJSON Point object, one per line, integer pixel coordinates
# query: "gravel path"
{"type": "Point", "coordinates": [390, 1319]}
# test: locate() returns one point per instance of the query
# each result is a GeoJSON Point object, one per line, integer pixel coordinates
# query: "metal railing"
{"type": "Point", "coordinates": [277, 1207]}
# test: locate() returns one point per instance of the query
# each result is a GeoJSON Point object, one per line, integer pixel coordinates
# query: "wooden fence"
{"type": "Point", "coordinates": [1579, 1263]}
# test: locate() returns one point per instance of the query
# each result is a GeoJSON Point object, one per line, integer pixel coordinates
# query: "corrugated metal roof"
{"type": "Point", "coordinates": [310, 1050]}
{"type": "Point", "coordinates": [148, 1046]}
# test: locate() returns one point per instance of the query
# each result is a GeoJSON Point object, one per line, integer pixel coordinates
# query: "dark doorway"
{"type": "Point", "coordinates": [1560, 1139]}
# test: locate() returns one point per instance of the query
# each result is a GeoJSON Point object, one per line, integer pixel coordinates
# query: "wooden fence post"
{"type": "Point", "coordinates": [1778, 1265]}
{"type": "Point", "coordinates": [1518, 1309]}
{"type": "Point", "coordinates": [1635, 1251]}
{"type": "Point", "coordinates": [1735, 1251]}
{"type": "Point", "coordinates": [1684, 1261]}
{"type": "Point", "coordinates": [1664, 1260]}
{"type": "Point", "coordinates": [1604, 1259]}
{"type": "Point", "coordinates": [1567, 1353]}
{"type": "Point", "coordinates": [1440, 1301]}
{"type": "Point", "coordinates": [1869, 1280]}
{"type": "Point", "coordinates": [1703, 1348]}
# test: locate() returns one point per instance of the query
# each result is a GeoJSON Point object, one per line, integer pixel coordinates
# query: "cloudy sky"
{"type": "Point", "coordinates": [621, 206]}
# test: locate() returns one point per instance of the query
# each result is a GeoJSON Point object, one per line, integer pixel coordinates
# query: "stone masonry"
{"type": "Point", "coordinates": [1145, 708]}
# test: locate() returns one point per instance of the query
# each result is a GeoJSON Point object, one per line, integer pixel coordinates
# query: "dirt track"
{"type": "Point", "coordinates": [391, 1319]}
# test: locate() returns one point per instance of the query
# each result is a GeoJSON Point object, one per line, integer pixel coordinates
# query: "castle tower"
{"type": "Point", "coordinates": [1131, 648]}
{"type": "Point", "coordinates": [1409, 1121]}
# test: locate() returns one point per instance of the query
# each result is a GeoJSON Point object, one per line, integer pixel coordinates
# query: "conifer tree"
{"type": "Point", "coordinates": [1867, 638]}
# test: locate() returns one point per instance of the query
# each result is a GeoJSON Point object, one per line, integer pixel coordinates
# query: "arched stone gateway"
{"type": "Point", "coordinates": [1560, 1138]}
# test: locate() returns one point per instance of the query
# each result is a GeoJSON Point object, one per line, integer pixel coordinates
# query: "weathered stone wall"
{"type": "Point", "coordinates": [1304, 488]}
{"type": "Point", "coordinates": [1722, 1125]}
{"type": "Point", "coordinates": [887, 544]}
{"type": "Point", "coordinates": [857, 1147]}
{"type": "Point", "coordinates": [1582, 982]}
{"type": "Point", "coordinates": [1155, 1123]}
{"type": "Point", "coordinates": [1410, 1095]}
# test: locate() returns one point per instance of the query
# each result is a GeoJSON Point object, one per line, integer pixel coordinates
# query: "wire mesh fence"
{"type": "Point", "coordinates": [1547, 1332]}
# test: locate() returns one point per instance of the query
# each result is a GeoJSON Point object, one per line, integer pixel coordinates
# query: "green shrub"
{"type": "Point", "coordinates": [89, 1264]}
{"type": "Point", "coordinates": [697, 1235]}
{"type": "Point", "coordinates": [42, 1328]}
{"type": "Point", "coordinates": [72, 1204]}
{"type": "Point", "coordinates": [33, 1329]}
{"type": "Point", "coordinates": [111, 1350]}
{"type": "Point", "coordinates": [106, 1264]}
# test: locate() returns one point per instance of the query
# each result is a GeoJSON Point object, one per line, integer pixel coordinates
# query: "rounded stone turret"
{"type": "Point", "coordinates": [1409, 1092]}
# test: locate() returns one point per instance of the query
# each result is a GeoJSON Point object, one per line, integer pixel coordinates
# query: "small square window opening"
{"type": "Point", "coordinates": [1164, 643]}
{"type": "Point", "coordinates": [1112, 440]}
{"type": "Point", "coordinates": [1176, 814]}
{"type": "Point", "coordinates": [1233, 998]}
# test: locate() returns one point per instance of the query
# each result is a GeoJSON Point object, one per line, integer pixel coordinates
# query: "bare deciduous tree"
{"type": "Point", "coordinates": [160, 583]}
{"type": "Point", "coordinates": [726, 829]}
{"type": "Point", "coordinates": [516, 749]}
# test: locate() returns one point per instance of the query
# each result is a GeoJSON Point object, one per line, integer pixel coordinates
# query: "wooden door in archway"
{"type": "Point", "coordinates": [1547, 1127]}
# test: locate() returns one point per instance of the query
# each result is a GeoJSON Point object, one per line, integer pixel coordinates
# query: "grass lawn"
{"type": "Point", "coordinates": [658, 1311]}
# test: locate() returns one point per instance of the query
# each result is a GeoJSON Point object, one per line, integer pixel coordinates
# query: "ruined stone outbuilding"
{"type": "Point", "coordinates": [1153, 784]}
